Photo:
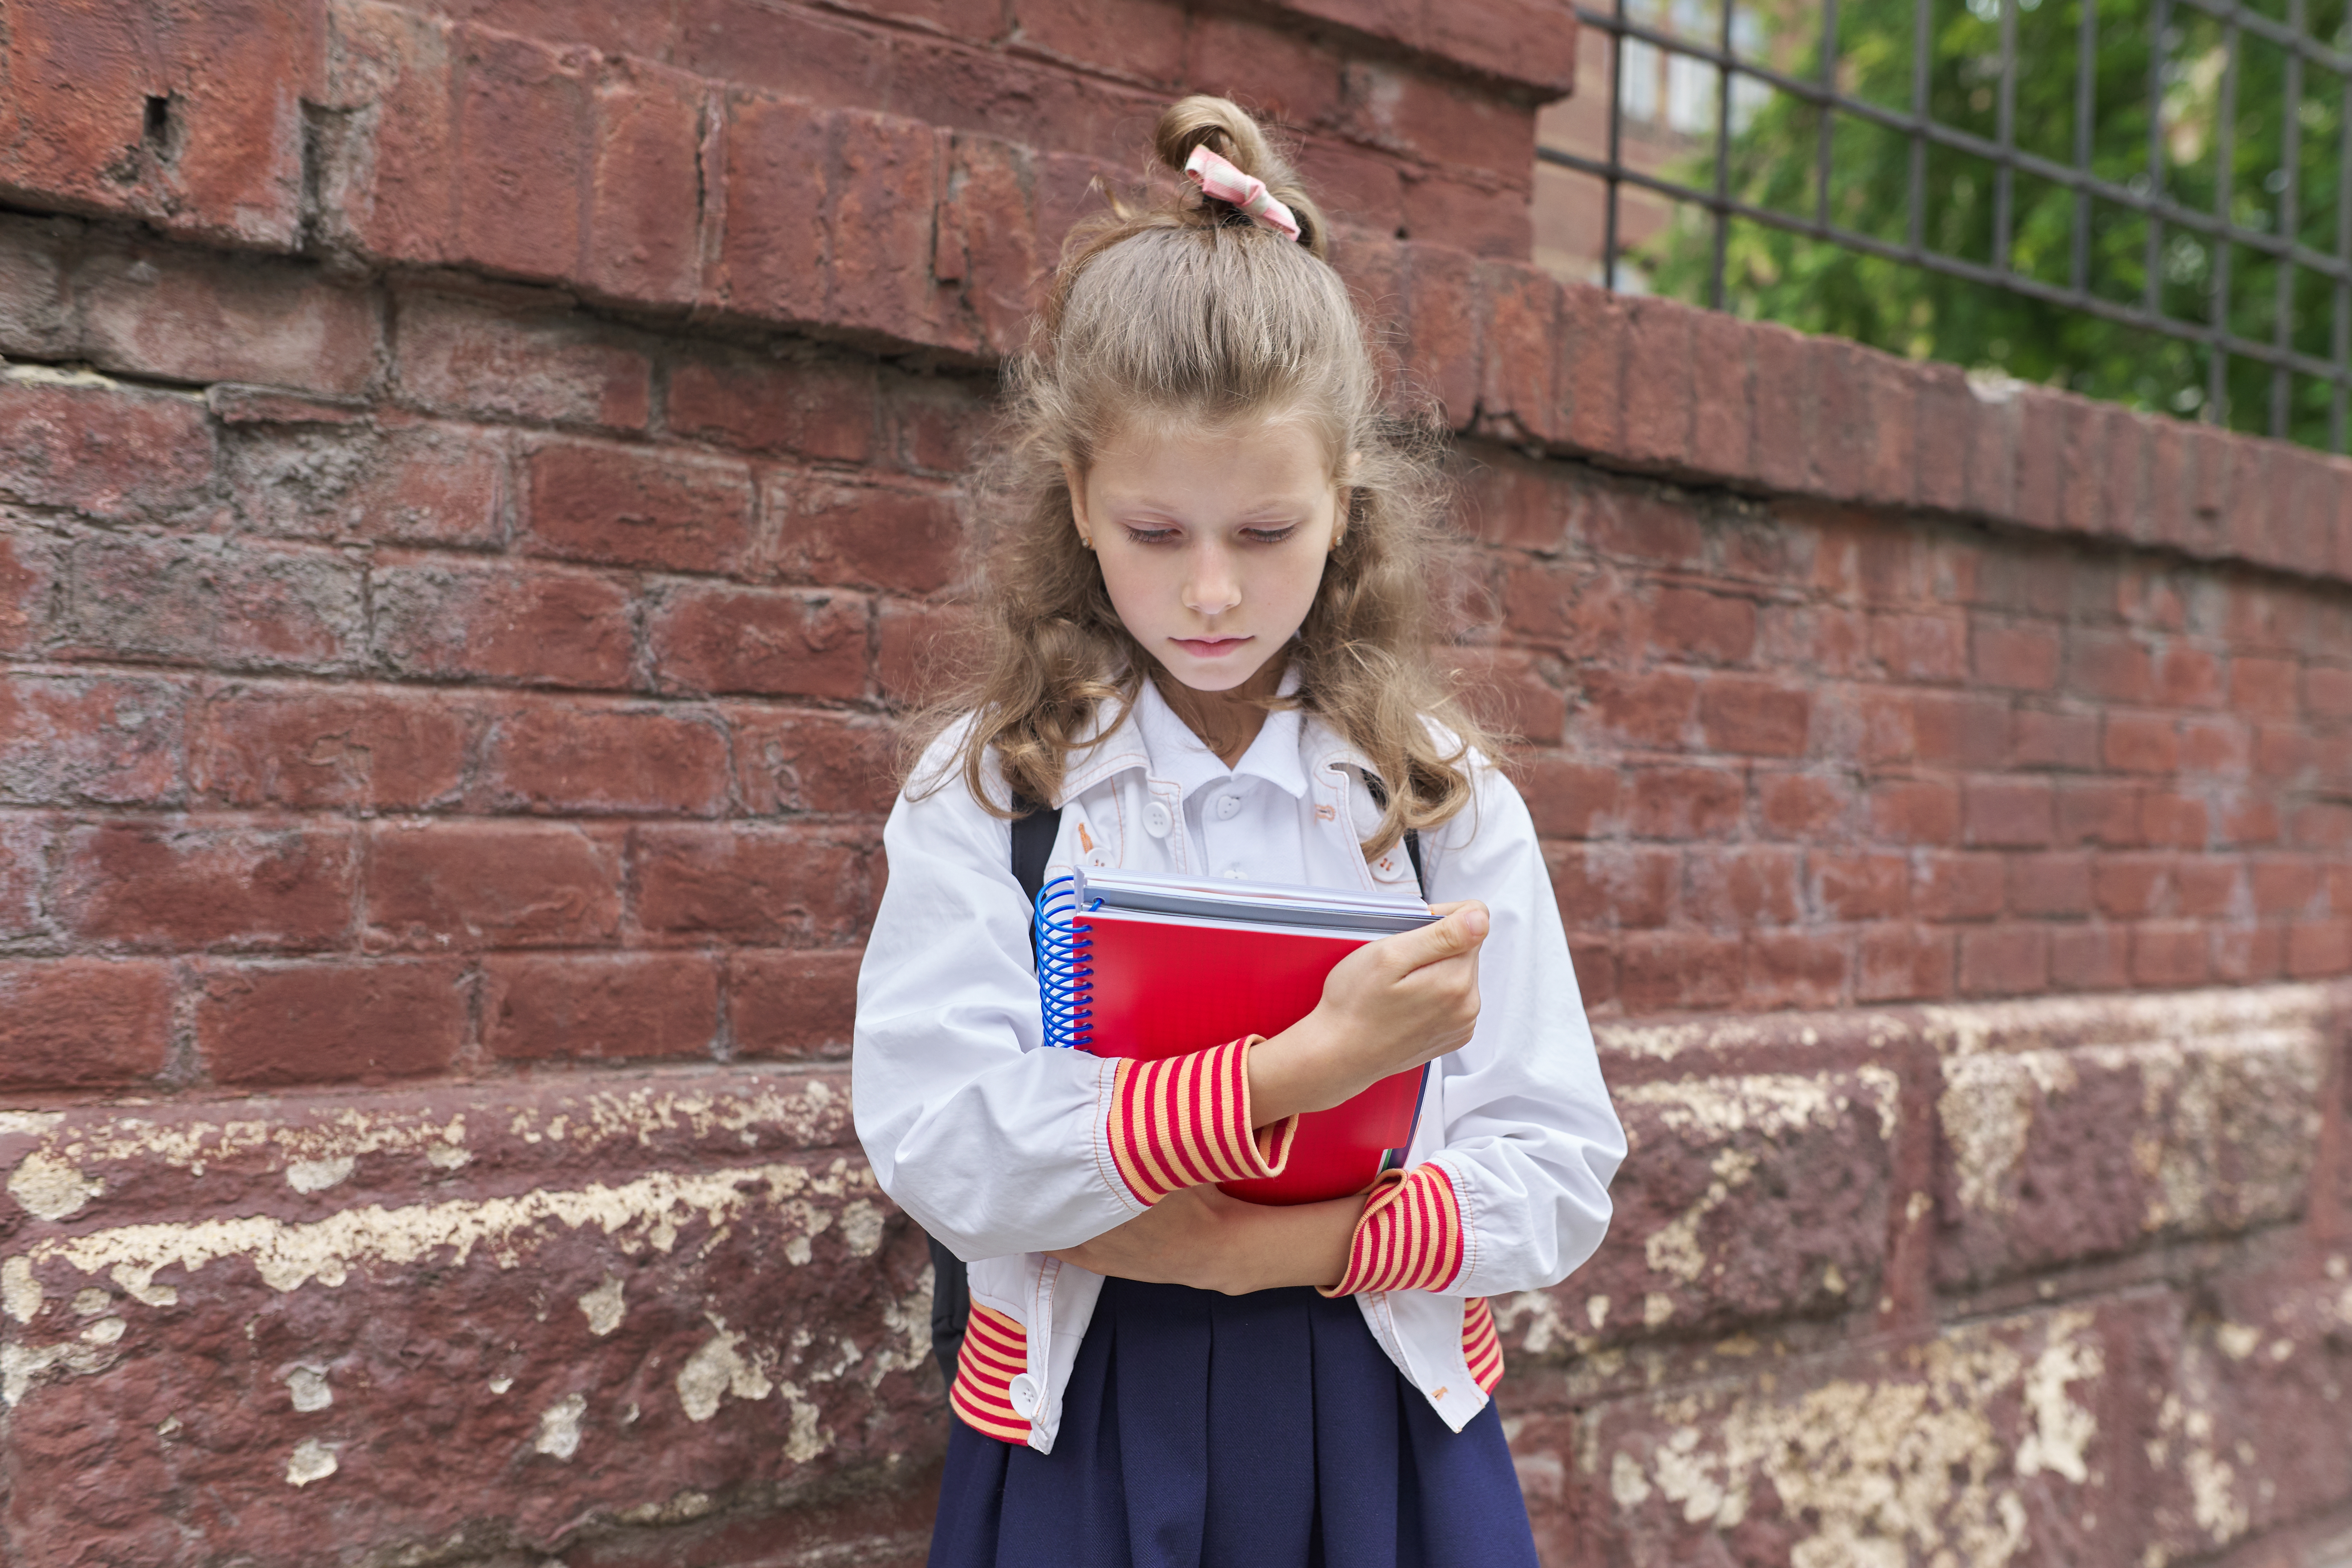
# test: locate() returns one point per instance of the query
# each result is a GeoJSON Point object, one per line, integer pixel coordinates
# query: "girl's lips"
{"type": "Point", "coordinates": [1208, 648]}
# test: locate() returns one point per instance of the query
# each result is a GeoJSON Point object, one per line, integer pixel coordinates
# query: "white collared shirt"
{"type": "Point", "coordinates": [996, 1143]}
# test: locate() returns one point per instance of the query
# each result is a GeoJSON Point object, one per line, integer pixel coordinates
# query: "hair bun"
{"type": "Point", "coordinates": [1227, 130]}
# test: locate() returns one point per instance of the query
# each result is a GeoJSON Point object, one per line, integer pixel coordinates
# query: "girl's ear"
{"type": "Point", "coordinates": [1077, 483]}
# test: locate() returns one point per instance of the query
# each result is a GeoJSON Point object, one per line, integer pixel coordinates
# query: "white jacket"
{"type": "Point", "coordinates": [998, 1145]}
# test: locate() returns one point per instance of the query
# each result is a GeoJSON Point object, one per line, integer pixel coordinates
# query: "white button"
{"type": "Point", "coordinates": [1228, 807]}
{"type": "Point", "coordinates": [1156, 820]}
{"type": "Point", "coordinates": [1098, 858]}
{"type": "Point", "coordinates": [1024, 1391]}
{"type": "Point", "coordinates": [1234, 874]}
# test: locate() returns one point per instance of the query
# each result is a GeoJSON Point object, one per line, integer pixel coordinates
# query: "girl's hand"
{"type": "Point", "coordinates": [1203, 1238]}
{"type": "Point", "coordinates": [1390, 1005]}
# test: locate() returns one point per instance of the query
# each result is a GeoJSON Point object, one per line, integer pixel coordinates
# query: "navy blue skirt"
{"type": "Point", "coordinates": [1260, 1431]}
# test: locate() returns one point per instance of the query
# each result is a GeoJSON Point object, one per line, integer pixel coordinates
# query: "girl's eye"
{"type": "Point", "coordinates": [1269, 535]}
{"type": "Point", "coordinates": [1149, 536]}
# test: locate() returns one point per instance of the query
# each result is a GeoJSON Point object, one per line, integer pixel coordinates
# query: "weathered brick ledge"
{"type": "Point", "coordinates": [653, 1308]}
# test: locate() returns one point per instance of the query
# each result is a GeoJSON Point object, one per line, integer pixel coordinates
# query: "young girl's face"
{"type": "Point", "coordinates": [1212, 539]}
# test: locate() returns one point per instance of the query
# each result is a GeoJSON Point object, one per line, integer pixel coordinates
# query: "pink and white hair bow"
{"type": "Point", "coordinates": [1219, 178]}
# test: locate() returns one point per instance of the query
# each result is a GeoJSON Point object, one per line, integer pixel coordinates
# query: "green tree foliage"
{"type": "Point", "coordinates": [1825, 287]}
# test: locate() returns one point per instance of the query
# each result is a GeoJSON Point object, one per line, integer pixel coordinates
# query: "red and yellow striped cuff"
{"type": "Point", "coordinates": [1182, 1122]}
{"type": "Point", "coordinates": [1480, 1347]}
{"type": "Point", "coordinates": [1409, 1237]}
{"type": "Point", "coordinates": [995, 1351]}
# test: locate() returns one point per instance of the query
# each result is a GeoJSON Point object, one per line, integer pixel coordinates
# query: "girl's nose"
{"type": "Point", "coordinates": [1212, 586]}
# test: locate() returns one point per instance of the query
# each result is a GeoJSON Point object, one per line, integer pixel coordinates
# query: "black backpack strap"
{"type": "Point", "coordinates": [1034, 832]}
{"type": "Point", "coordinates": [1380, 792]}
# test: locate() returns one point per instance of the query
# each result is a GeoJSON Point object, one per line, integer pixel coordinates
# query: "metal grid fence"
{"type": "Point", "coordinates": [2149, 194]}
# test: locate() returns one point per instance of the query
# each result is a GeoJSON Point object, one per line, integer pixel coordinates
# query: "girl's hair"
{"type": "Point", "coordinates": [1187, 310]}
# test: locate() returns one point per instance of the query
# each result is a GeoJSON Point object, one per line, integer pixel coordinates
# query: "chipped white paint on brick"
{"type": "Point", "coordinates": [308, 1388]}
{"type": "Point", "coordinates": [20, 1292]}
{"type": "Point", "coordinates": [605, 1307]}
{"type": "Point", "coordinates": [310, 1461]}
{"type": "Point", "coordinates": [50, 1188]}
{"type": "Point", "coordinates": [558, 1427]}
{"type": "Point", "coordinates": [318, 1175]}
{"type": "Point", "coordinates": [716, 1370]}
{"type": "Point", "coordinates": [2062, 1429]}
{"type": "Point", "coordinates": [644, 1212]}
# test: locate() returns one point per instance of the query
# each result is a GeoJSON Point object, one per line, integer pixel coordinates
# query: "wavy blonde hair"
{"type": "Point", "coordinates": [1187, 310]}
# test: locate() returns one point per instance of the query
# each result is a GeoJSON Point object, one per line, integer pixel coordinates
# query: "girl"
{"type": "Point", "coordinates": [1206, 629]}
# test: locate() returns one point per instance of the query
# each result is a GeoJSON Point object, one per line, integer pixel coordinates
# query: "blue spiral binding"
{"type": "Point", "coordinates": [1064, 979]}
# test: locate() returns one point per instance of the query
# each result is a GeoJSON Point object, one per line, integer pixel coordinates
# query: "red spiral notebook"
{"type": "Point", "coordinates": [1137, 965]}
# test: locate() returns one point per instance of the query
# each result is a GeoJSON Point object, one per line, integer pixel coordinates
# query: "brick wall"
{"type": "Point", "coordinates": [476, 483]}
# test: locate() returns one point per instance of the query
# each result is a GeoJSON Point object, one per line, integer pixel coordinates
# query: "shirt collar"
{"type": "Point", "coordinates": [1148, 734]}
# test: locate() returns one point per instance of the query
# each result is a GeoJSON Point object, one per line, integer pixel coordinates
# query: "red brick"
{"type": "Point", "coordinates": [388, 161]}
{"type": "Point", "coordinates": [415, 484]}
{"type": "Point", "coordinates": [1795, 969]}
{"type": "Point", "coordinates": [184, 888]}
{"type": "Point", "coordinates": [25, 844]}
{"type": "Point", "coordinates": [2176, 819]}
{"type": "Point", "coordinates": [1758, 718]}
{"type": "Point", "coordinates": [1594, 957]}
{"type": "Point", "coordinates": [227, 166]}
{"type": "Point", "coordinates": [1624, 885]}
{"type": "Point", "coordinates": [2116, 668]}
{"type": "Point", "coordinates": [1139, 40]}
{"type": "Point", "coordinates": [93, 740]}
{"type": "Point", "coordinates": [1943, 414]}
{"type": "Point", "coordinates": [1946, 886]}
{"type": "Point", "coordinates": [1441, 310]}
{"type": "Point", "coordinates": [2044, 740]}
{"type": "Point", "coordinates": [881, 536]}
{"type": "Point", "coordinates": [1722, 395]}
{"type": "Point", "coordinates": [453, 885]}
{"type": "Point", "coordinates": [1516, 503]}
{"type": "Point", "coordinates": [1520, 41]}
{"type": "Point", "coordinates": [880, 229]}
{"type": "Point", "coordinates": [630, 506]}
{"type": "Point", "coordinates": [2057, 884]}
{"type": "Point", "coordinates": [306, 747]}
{"type": "Point", "coordinates": [569, 758]}
{"type": "Point", "coordinates": [790, 643]}
{"type": "Point", "coordinates": [2290, 887]}
{"type": "Point", "coordinates": [2188, 677]}
{"type": "Point", "coordinates": [789, 763]}
{"type": "Point", "coordinates": [2205, 887]}
{"type": "Point", "coordinates": [1858, 886]}
{"type": "Point", "coordinates": [269, 1025]}
{"type": "Point", "coordinates": [1652, 708]}
{"type": "Point", "coordinates": [1518, 351]}
{"type": "Point", "coordinates": [1682, 803]}
{"type": "Point", "coordinates": [1592, 367]}
{"type": "Point", "coordinates": [2140, 743]}
{"type": "Point", "coordinates": [110, 453]}
{"type": "Point", "coordinates": [2246, 954]}
{"type": "Point", "coordinates": [2215, 746]}
{"type": "Point", "coordinates": [1561, 605]}
{"type": "Point", "coordinates": [1890, 388]}
{"type": "Point", "coordinates": [2020, 654]}
{"type": "Point", "coordinates": [467, 357]}
{"type": "Point", "coordinates": [794, 1005]}
{"type": "Point", "coordinates": [2127, 886]}
{"type": "Point", "coordinates": [1435, 120]}
{"type": "Point", "coordinates": [2319, 949]}
{"type": "Point", "coordinates": [1916, 811]}
{"type": "Point", "coordinates": [2041, 416]}
{"type": "Point", "coordinates": [2249, 819]}
{"type": "Point", "coordinates": [2099, 811]}
{"type": "Point", "coordinates": [1253, 59]}
{"type": "Point", "coordinates": [919, 649]}
{"type": "Point", "coordinates": [28, 577]}
{"type": "Point", "coordinates": [1509, 688]}
{"type": "Point", "coordinates": [1659, 396]}
{"type": "Point", "coordinates": [1920, 647]}
{"type": "Point", "coordinates": [82, 1023]}
{"type": "Point", "coordinates": [2089, 958]}
{"type": "Point", "coordinates": [645, 194]}
{"type": "Point", "coordinates": [525, 139]}
{"type": "Point", "coordinates": [1658, 971]}
{"type": "Point", "coordinates": [934, 426]}
{"type": "Point", "coordinates": [1803, 805]}
{"type": "Point", "coordinates": [1785, 413]}
{"type": "Point", "coordinates": [177, 317]}
{"type": "Point", "coordinates": [772, 256]}
{"type": "Point", "coordinates": [446, 618]}
{"type": "Point", "coordinates": [1698, 625]}
{"type": "Point", "coordinates": [2010, 814]}
{"type": "Point", "coordinates": [2168, 952]}
{"type": "Point", "coordinates": [1740, 885]}
{"type": "Point", "coordinates": [823, 407]}
{"type": "Point", "coordinates": [606, 1007]}
{"type": "Point", "coordinates": [2004, 959]}
{"type": "Point", "coordinates": [775, 886]}
{"type": "Point", "coordinates": [221, 601]}
{"type": "Point", "coordinates": [2327, 690]}
{"type": "Point", "coordinates": [987, 240]}
{"type": "Point", "coordinates": [1903, 964]}
{"type": "Point", "coordinates": [2264, 688]}
{"type": "Point", "coordinates": [1956, 729]}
